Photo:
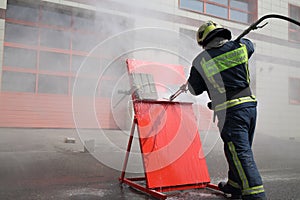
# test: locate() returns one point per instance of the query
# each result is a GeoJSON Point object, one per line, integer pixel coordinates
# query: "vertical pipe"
{"type": "Point", "coordinates": [38, 50]}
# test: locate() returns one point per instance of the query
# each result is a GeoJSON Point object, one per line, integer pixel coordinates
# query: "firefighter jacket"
{"type": "Point", "coordinates": [223, 72]}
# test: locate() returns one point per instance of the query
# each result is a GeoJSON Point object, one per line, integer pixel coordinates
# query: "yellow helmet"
{"type": "Point", "coordinates": [209, 30]}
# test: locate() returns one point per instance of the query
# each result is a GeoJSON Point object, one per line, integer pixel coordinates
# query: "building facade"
{"type": "Point", "coordinates": [44, 43]}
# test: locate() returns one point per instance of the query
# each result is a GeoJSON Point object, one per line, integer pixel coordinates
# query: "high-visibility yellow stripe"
{"type": "Point", "coordinates": [233, 184]}
{"type": "Point", "coordinates": [246, 189]}
{"type": "Point", "coordinates": [216, 85]}
{"type": "Point", "coordinates": [225, 61]}
{"type": "Point", "coordinates": [253, 190]}
{"type": "Point", "coordinates": [234, 102]}
{"type": "Point", "coordinates": [247, 71]}
{"type": "Point", "coordinates": [238, 165]}
{"type": "Point", "coordinates": [211, 79]}
{"type": "Point", "coordinates": [209, 28]}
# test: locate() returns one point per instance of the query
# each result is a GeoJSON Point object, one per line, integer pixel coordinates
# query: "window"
{"type": "Point", "coordinates": [84, 42]}
{"type": "Point", "coordinates": [22, 13]}
{"type": "Point", "coordinates": [56, 18]}
{"type": "Point", "coordinates": [244, 11]}
{"type": "Point", "coordinates": [55, 38]}
{"type": "Point", "coordinates": [19, 57]}
{"type": "Point", "coordinates": [18, 82]}
{"type": "Point", "coordinates": [77, 61]}
{"type": "Point", "coordinates": [84, 23]}
{"type": "Point", "coordinates": [294, 90]}
{"type": "Point", "coordinates": [45, 46]}
{"type": "Point", "coordinates": [50, 61]}
{"type": "Point", "coordinates": [53, 84]}
{"type": "Point", "coordinates": [195, 5]}
{"type": "Point", "coordinates": [84, 86]}
{"type": "Point", "coordinates": [216, 10]}
{"type": "Point", "coordinates": [294, 30]}
{"type": "Point", "coordinates": [20, 33]}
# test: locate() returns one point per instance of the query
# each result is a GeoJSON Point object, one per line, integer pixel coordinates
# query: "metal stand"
{"type": "Point", "coordinates": [143, 90]}
{"type": "Point", "coordinates": [132, 181]}
{"type": "Point", "coordinates": [143, 187]}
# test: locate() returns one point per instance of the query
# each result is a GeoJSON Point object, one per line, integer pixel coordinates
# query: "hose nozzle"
{"type": "Point", "coordinates": [183, 88]}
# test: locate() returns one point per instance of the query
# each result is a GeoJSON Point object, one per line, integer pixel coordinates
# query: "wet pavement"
{"type": "Point", "coordinates": [37, 164]}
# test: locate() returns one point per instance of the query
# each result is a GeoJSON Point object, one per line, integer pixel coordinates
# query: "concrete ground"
{"type": "Point", "coordinates": [37, 164]}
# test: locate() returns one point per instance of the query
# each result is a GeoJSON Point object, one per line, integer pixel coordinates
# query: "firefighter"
{"type": "Point", "coordinates": [222, 71]}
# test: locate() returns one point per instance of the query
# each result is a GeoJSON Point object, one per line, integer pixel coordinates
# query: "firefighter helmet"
{"type": "Point", "coordinates": [209, 30]}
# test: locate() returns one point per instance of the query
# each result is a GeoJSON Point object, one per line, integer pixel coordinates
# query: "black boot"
{"type": "Point", "coordinates": [230, 191]}
{"type": "Point", "coordinates": [254, 198]}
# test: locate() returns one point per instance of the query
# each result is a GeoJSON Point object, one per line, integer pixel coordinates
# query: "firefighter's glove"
{"type": "Point", "coordinates": [209, 105]}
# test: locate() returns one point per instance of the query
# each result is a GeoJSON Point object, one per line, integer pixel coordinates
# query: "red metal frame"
{"type": "Point", "coordinates": [157, 192]}
{"type": "Point", "coordinates": [154, 192]}
{"type": "Point", "coordinates": [131, 181]}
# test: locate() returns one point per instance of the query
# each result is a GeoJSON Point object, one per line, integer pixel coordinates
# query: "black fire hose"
{"type": "Point", "coordinates": [255, 24]}
{"type": "Point", "coordinates": [245, 32]}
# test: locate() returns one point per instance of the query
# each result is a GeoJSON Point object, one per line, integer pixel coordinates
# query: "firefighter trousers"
{"type": "Point", "coordinates": [237, 132]}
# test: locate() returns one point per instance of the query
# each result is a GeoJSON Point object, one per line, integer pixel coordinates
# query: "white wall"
{"type": "Point", "coordinates": [2, 27]}
{"type": "Point", "coordinates": [3, 4]}
{"type": "Point", "coordinates": [276, 116]}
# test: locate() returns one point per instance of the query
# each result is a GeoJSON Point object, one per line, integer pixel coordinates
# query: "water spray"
{"type": "Point", "coordinates": [254, 26]}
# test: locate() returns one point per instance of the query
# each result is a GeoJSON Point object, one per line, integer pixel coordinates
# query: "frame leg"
{"type": "Point", "coordinates": [128, 151]}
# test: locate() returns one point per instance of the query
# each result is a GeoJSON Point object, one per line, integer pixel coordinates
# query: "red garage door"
{"type": "Point", "coordinates": [51, 111]}
{"type": "Point", "coordinates": [43, 49]}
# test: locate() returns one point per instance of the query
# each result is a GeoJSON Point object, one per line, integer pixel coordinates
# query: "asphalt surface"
{"type": "Point", "coordinates": [37, 164]}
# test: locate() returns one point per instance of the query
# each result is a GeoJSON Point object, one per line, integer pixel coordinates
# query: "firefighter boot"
{"type": "Point", "coordinates": [254, 198]}
{"type": "Point", "coordinates": [230, 191]}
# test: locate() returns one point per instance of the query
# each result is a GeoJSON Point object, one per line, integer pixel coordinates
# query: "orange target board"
{"type": "Point", "coordinates": [168, 134]}
{"type": "Point", "coordinates": [170, 144]}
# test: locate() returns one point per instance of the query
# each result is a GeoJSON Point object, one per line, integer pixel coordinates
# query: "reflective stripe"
{"type": "Point", "coordinates": [222, 62]}
{"type": "Point", "coordinates": [211, 79]}
{"type": "Point", "coordinates": [247, 71]}
{"type": "Point", "coordinates": [209, 27]}
{"type": "Point", "coordinates": [216, 85]}
{"type": "Point", "coordinates": [225, 61]}
{"type": "Point", "coordinates": [238, 165]}
{"type": "Point", "coordinates": [234, 102]}
{"type": "Point", "coordinates": [233, 184]}
{"type": "Point", "coordinates": [253, 190]}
